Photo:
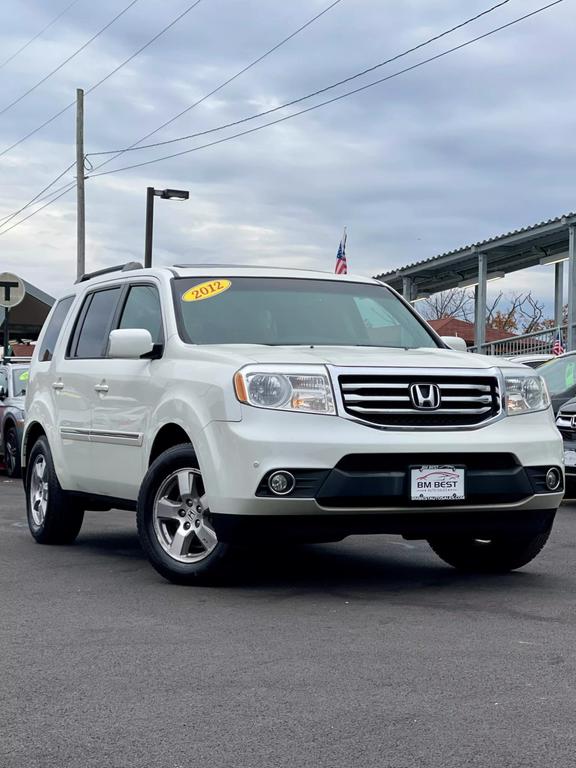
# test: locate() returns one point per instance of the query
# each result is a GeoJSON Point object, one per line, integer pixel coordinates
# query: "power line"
{"type": "Point", "coordinates": [39, 34]}
{"type": "Point", "coordinates": [252, 64]}
{"type": "Point", "coordinates": [278, 45]}
{"type": "Point", "coordinates": [72, 56]}
{"type": "Point", "coordinates": [103, 80]}
{"type": "Point", "coordinates": [17, 223]}
{"type": "Point", "coordinates": [134, 147]}
{"type": "Point", "coordinates": [332, 100]}
{"type": "Point", "coordinates": [5, 219]}
{"type": "Point", "coordinates": [309, 109]}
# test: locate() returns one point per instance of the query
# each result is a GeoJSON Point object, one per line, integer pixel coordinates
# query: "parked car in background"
{"type": "Point", "coordinates": [566, 423]}
{"type": "Point", "coordinates": [560, 377]}
{"type": "Point", "coordinates": [532, 361]}
{"type": "Point", "coordinates": [13, 385]}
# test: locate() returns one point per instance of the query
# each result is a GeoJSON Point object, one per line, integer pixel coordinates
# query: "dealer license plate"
{"type": "Point", "coordinates": [437, 483]}
{"type": "Point", "coordinates": [570, 458]}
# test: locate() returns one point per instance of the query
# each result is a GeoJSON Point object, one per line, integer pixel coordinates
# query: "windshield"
{"type": "Point", "coordinates": [288, 311]}
{"type": "Point", "coordinates": [20, 374]}
{"type": "Point", "coordinates": [559, 374]}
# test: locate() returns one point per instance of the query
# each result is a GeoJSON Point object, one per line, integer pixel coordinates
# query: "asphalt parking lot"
{"type": "Point", "coordinates": [370, 652]}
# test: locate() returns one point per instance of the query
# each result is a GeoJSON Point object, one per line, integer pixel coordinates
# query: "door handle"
{"type": "Point", "coordinates": [101, 387]}
{"type": "Point", "coordinates": [57, 385]}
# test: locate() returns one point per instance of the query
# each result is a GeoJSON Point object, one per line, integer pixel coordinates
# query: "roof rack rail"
{"type": "Point", "coordinates": [15, 359]}
{"type": "Point", "coordinates": [217, 265]}
{"type": "Point", "coordinates": [118, 268]}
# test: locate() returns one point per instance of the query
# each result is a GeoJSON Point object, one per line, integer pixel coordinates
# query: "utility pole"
{"type": "Point", "coordinates": [80, 201]}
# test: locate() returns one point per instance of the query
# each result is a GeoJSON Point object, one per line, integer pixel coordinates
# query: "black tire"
{"type": "Point", "coordinates": [186, 520]}
{"type": "Point", "coordinates": [12, 453]}
{"type": "Point", "coordinates": [53, 517]}
{"type": "Point", "coordinates": [497, 555]}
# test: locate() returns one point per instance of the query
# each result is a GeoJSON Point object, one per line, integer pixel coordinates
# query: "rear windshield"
{"type": "Point", "coordinates": [285, 311]}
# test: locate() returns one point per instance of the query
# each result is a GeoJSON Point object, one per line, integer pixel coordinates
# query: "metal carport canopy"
{"type": "Point", "coordinates": [527, 247]}
{"type": "Point", "coordinates": [27, 318]}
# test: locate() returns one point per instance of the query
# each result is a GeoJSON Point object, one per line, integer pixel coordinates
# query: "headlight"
{"type": "Point", "coordinates": [525, 394]}
{"type": "Point", "coordinates": [286, 390]}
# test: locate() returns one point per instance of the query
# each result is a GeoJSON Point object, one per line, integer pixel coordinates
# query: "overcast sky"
{"type": "Point", "coordinates": [470, 146]}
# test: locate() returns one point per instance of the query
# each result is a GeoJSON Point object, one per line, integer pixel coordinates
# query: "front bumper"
{"type": "Point", "coordinates": [236, 456]}
{"type": "Point", "coordinates": [570, 445]}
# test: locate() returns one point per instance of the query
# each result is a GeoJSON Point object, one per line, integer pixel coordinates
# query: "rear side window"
{"type": "Point", "coordinates": [95, 321]}
{"type": "Point", "coordinates": [142, 310]}
{"type": "Point", "coordinates": [55, 324]}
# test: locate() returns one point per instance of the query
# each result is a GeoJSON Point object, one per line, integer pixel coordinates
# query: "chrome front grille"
{"type": "Point", "coordinates": [420, 399]}
{"type": "Point", "coordinates": [566, 423]}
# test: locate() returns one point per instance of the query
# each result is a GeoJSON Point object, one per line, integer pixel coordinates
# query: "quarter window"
{"type": "Point", "coordinates": [92, 337]}
{"type": "Point", "coordinates": [50, 338]}
{"type": "Point", "coordinates": [142, 310]}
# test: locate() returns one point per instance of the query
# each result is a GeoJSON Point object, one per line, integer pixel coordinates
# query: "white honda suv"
{"type": "Point", "coordinates": [255, 405]}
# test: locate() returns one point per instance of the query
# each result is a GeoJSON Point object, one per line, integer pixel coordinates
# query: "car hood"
{"type": "Point", "coordinates": [355, 357]}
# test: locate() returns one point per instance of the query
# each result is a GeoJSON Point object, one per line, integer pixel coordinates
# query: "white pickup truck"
{"type": "Point", "coordinates": [235, 404]}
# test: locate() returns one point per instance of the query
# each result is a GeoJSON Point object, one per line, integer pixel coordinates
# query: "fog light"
{"type": "Point", "coordinates": [281, 483]}
{"type": "Point", "coordinates": [553, 479]}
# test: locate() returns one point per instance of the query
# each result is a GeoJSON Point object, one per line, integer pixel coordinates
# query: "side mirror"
{"type": "Point", "coordinates": [3, 393]}
{"type": "Point", "coordinates": [130, 343]}
{"type": "Point", "coordinates": [455, 342]}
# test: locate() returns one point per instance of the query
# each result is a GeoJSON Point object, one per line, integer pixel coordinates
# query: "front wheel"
{"type": "Point", "coordinates": [12, 453]}
{"type": "Point", "coordinates": [496, 555]}
{"type": "Point", "coordinates": [174, 522]}
{"type": "Point", "coordinates": [53, 517]}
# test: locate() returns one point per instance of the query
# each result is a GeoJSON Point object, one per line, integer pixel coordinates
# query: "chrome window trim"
{"type": "Point", "coordinates": [473, 373]}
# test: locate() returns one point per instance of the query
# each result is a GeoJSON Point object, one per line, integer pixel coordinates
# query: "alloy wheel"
{"type": "Point", "coordinates": [182, 519]}
{"type": "Point", "coordinates": [11, 455]}
{"type": "Point", "coordinates": [39, 491]}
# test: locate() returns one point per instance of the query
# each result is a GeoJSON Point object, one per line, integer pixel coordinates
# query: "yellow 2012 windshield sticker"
{"type": "Point", "coordinates": [24, 376]}
{"type": "Point", "coordinates": [206, 290]}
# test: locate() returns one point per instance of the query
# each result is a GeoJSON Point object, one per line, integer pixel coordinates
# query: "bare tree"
{"type": "Point", "coordinates": [456, 302]}
{"type": "Point", "coordinates": [516, 312]}
{"type": "Point", "coordinates": [506, 312]}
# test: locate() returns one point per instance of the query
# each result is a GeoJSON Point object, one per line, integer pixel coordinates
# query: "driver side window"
{"type": "Point", "coordinates": [142, 309]}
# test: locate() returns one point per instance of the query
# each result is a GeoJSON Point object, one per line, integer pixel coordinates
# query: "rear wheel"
{"type": "Point", "coordinates": [174, 521]}
{"type": "Point", "coordinates": [12, 453]}
{"type": "Point", "coordinates": [497, 555]}
{"type": "Point", "coordinates": [53, 517]}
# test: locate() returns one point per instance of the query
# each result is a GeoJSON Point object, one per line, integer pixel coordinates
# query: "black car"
{"type": "Point", "coordinates": [560, 377]}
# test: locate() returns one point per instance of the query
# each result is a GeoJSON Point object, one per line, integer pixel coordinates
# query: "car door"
{"type": "Point", "coordinates": [77, 367]}
{"type": "Point", "coordinates": [125, 393]}
{"type": "Point", "coordinates": [4, 388]}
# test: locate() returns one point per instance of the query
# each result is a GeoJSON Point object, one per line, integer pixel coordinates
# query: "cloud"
{"type": "Point", "coordinates": [477, 143]}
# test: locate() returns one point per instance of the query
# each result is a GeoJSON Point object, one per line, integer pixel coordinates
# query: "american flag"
{"type": "Point", "coordinates": [341, 266]}
{"type": "Point", "coordinates": [557, 347]}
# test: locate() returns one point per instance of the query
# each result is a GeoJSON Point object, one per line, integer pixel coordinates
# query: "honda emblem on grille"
{"type": "Point", "coordinates": [425, 397]}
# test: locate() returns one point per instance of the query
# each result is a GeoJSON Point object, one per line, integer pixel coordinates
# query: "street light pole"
{"type": "Point", "coordinates": [165, 194]}
{"type": "Point", "coordinates": [149, 226]}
